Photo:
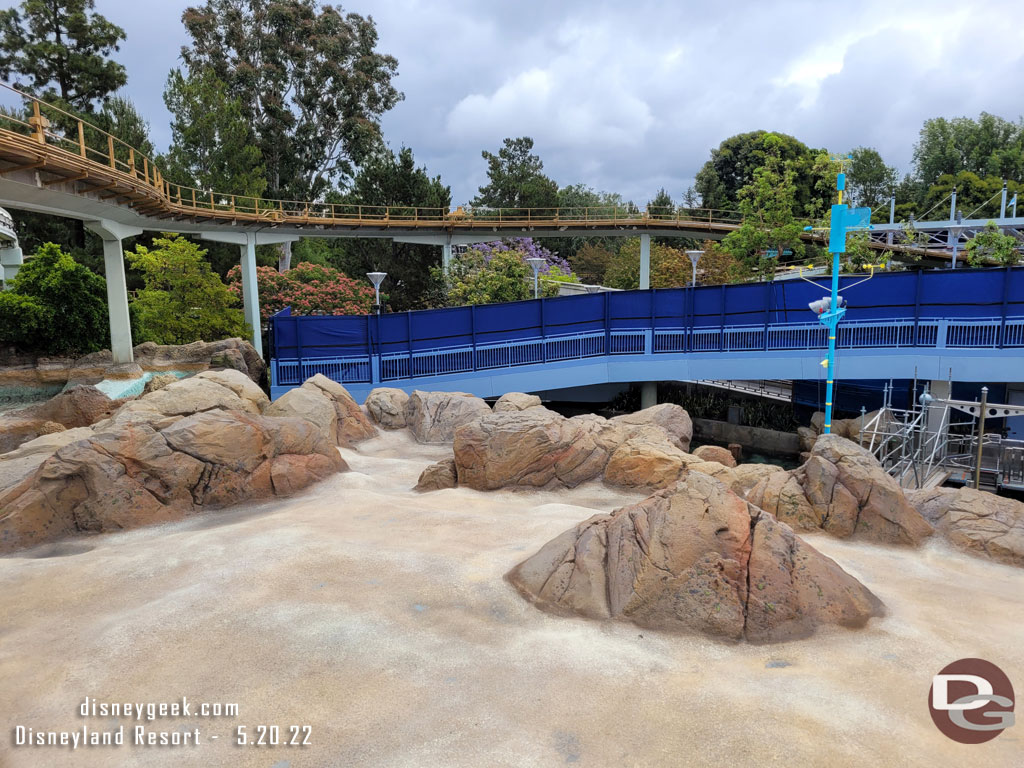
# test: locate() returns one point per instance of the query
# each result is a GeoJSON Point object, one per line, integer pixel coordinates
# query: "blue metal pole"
{"type": "Point", "coordinates": [832, 324]}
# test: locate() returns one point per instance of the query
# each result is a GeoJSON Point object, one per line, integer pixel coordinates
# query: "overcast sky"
{"type": "Point", "coordinates": [631, 96]}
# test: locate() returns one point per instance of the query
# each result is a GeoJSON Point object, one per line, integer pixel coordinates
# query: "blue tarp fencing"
{"type": "Point", "coordinates": [921, 295]}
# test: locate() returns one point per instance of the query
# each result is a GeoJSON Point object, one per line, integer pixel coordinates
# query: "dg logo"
{"type": "Point", "coordinates": [971, 701]}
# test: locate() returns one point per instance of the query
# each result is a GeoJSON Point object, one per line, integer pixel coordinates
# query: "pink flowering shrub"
{"type": "Point", "coordinates": [309, 289]}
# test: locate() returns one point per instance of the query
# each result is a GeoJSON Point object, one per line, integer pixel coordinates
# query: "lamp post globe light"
{"type": "Point", "coordinates": [694, 258]}
{"type": "Point", "coordinates": [376, 278]}
{"type": "Point", "coordinates": [536, 262]}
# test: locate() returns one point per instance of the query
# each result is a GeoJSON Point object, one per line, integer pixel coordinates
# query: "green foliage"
{"type": "Point", "coordinates": [717, 266]}
{"type": "Point", "coordinates": [767, 205]}
{"type": "Point", "coordinates": [661, 207]}
{"type": "Point", "coordinates": [670, 267]}
{"type": "Point", "coordinates": [394, 180]}
{"type": "Point", "coordinates": [591, 262]}
{"type": "Point", "coordinates": [859, 254]}
{"type": "Point", "coordinates": [869, 181]}
{"type": "Point", "coordinates": [498, 276]}
{"type": "Point", "coordinates": [992, 246]}
{"type": "Point", "coordinates": [308, 78]}
{"type": "Point", "coordinates": [515, 178]}
{"type": "Point", "coordinates": [183, 299]}
{"type": "Point", "coordinates": [62, 49]}
{"type": "Point", "coordinates": [309, 289]}
{"type": "Point", "coordinates": [70, 316]}
{"type": "Point", "coordinates": [23, 320]}
{"type": "Point", "coordinates": [734, 162]}
{"type": "Point", "coordinates": [988, 146]}
{"type": "Point", "coordinates": [212, 144]}
{"type": "Point", "coordinates": [976, 197]}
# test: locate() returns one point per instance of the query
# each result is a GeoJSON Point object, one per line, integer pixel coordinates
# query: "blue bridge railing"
{"type": "Point", "coordinates": [965, 309]}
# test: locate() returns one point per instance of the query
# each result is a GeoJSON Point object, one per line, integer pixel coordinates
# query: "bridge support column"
{"type": "Point", "coordinates": [247, 242]}
{"type": "Point", "coordinates": [648, 394]}
{"type": "Point", "coordinates": [446, 257]}
{"type": "Point", "coordinates": [645, 262]}
{"type": "Point", "coordinates": [933, 426]}
{"type": "Point", "coordinates": [117, 289]}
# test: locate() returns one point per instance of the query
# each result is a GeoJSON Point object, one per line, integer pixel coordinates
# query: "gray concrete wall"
{"type": "Point", "coordinates": [756, 439]}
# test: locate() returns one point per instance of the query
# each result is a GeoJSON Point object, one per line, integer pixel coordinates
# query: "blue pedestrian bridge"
{"type": "Point", "coordinates": [963, 325]}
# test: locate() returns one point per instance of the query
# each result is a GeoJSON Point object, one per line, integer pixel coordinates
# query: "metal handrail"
{"type": "Point", "coordinates": [92, 145]}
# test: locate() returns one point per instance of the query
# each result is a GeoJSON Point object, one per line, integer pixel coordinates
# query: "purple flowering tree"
{"type": "Point", "coordinates": [529, 249]}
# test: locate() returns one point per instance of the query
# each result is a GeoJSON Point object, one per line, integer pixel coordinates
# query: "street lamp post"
{"type": "Point", "coordinates": [954, 232]}
{"type": "Point", "coordinates": [536, 262]}
{"type": "Point", "coordinates": [694, 258]}
{"type": "Point", "coordinates": [376, 278]}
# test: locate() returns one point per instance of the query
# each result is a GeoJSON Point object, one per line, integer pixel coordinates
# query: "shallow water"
{"type": "Point", "coordinates": [379, 617]}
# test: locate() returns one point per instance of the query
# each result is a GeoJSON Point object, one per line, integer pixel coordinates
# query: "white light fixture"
{"type": "Point", "coordinates": [377, 278]}
{"type": "Point", "coordinates": [536, 262]}
{"type": "Point", "coordinates": [694, 258]}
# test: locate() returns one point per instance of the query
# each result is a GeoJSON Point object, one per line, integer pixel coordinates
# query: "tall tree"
{"type": "Point", "coordinates": [869, 181]}
{"type": "Point", "coordinates": [661, 206]}
{"type": "Point", "coordinates": [63, 50]}
{"type": "Point", "coordinates": [516, 179]}
{"type": "Point", "coordinates": [988, 146]}
{"type": "Point", "coordinates": [767, 202]}
{"type": "Point", "coordinates": [309, 79]}
{"type": "Point", "coordinates": [394, 181]}
{"type": "Point", "coordinates": [213, 146]}
{"type": "Point", "coordinates": [734, 161]}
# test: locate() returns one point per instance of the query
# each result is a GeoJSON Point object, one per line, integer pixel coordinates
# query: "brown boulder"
{"type": "Point", "coordinates": [158, 381]}
{"type": "Point", "coordinates": [130, 474]}
{"type": "Point", "coordinates": [352, 424]}
{"type": "Point", "coordinates": [516, 401]}
{"type": "Point", "coordinates": [440, 475]}
{"type": "Point", "coordinates": [843, 490]}
{"type": "Point", "coordinates": [647, 459]}
{"type": "Point", "coordinates": [670, 417]}
{"type": "Point", "coordinates": [682, 560]}
{"type": "Point", "coordinates": [433, 417]}
{"type": "Point", "coordinates": [386, 406]}
{"type": "Point", "coordinates": [310, 404]}
{"type": "Point", "coordinates": [535, 447]}
{"type": "Point", "coordinates": [749, 475]}
{"type": "Point", "coordinates": [77, 406]}
{"type": "Point", "coordinates": [716, 453]}
{"type": "Point", "coordinates": [976, 521]}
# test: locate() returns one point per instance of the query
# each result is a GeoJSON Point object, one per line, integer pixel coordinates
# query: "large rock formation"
{"type": "Point", "coordinates": [670, 417]}
{"type": "Point", "coordinates": [433, 417]}
{"type": "Point", "coordinates": [645, 457]}
{"type": "Point", "coordinates": [976, 521]}
{"type": "Point", "coordinates": [77, 406]}
{"type": "Point", "coordinates": [26, 371]}
{"type": "Point", "coordinates": [516, 401]}
{"type": "Point", "coordinates": [329, 406]}
{"type": "Point", "coordinates": [439, 475]}
{"type": "Point", "coordinates": [386, 406]}
{"type": "Point", "coordinates": [535, 447]}
{"type": "Point", "coordinates": [695, 558]}
{"type": "Point", "coordinates": [716, 453]}
{"type": "Point", "coordinates": [197, 444]}
{"type": "Point", "coordinates": [843, 490]}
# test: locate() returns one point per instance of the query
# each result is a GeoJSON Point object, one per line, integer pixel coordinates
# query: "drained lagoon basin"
{"type": "Point", "coordinates": [379, 618]}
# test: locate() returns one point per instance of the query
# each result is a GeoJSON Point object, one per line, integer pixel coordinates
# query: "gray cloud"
{"type": "Point", "coordinates": [629, 97]}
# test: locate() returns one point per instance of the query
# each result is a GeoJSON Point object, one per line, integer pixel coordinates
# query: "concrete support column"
{"type": "Point", "coordinates": [251, 294]}
{"type": "Point", "coordinates": [645, 262]}
{"type": "Point", "coordinates": [247, 242]}
{"type": "Point", "coordinates": [117, 290]}
{"type": "Point", "coordinates": [446, 257]}
{"type": "Point", "coordinates": [648, 394]}
{"type": "Point", "coordinates": [934, 431]}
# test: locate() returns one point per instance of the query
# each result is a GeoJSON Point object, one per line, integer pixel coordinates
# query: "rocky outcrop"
{"type": "Point", "coordinates": [433, 417]}
{"type": "Point", "coordinates": [516, 401]}
{"type": "Point", "coordinates": [77, 406]}
{"type": "Point", "coordinates": [749, 475]}
{"type": "Point", "coordinates": [535, 448]}
{"type": "Point", "coordinates": [329, 406]}
{"type": "Point", "coordinates": [695, 558]}
{"type": "Point", "coordinates": [978, 522]}
{"type": "Point", "coordinates": [196, 444]}
{"type": "Point", "coordinates": [646, 458]}
{"type": "Point", "coordinates": [843, 490]}
{"type": "Point", "coordinates": [670, 417]}
{"type": "Point", "coordinates": [32, 372]}
{"type": "Point", "coordinates": [386, 406]}
{"type": "Point", "coordinates": [437, 476]}
{"type": "Point", "coordinates": [159, 381]}
{"type": "Point", "coordinates": [716, 453]}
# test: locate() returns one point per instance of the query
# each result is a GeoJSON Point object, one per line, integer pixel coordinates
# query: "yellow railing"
{"type": "Point", "coordinates": [82, 150]}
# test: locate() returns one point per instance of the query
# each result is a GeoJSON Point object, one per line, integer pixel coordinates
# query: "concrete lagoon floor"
{"type": "Point", "coordinates": [379, 617]}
